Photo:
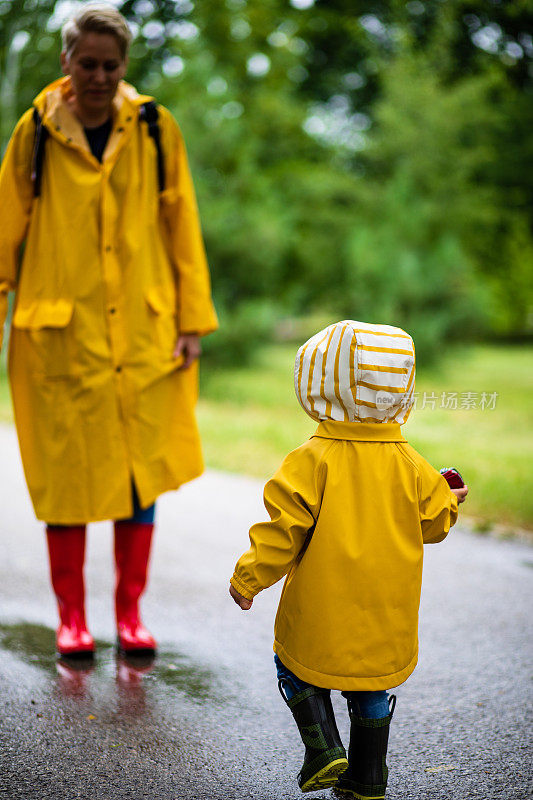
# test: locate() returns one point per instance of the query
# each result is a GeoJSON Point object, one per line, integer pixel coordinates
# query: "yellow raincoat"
{"type": "Point", "coordinates": [112, 272]}
{"type": "Point", "coordinates": [350, 512]}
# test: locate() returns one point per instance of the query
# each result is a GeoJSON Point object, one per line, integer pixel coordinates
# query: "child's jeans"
{"type": "Point", "coordinates": [369, 705]}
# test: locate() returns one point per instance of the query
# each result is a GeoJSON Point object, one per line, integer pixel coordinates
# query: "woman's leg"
{"type": "Point", "coordinates": [325, 757]}
{"type": "Point", "coordinates": [133, 539]}
{"type": "Point", "coordinates": [66, 550]}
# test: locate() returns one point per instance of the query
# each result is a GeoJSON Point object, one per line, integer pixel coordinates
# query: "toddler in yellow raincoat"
{"type": "Point", "coordinates": [350, 511]}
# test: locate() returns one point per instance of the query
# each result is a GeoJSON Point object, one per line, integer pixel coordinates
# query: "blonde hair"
{"type": "Point", "coordinates": [96, 18]}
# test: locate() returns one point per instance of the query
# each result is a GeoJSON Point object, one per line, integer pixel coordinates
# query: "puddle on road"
{"type": "Point", "coordinates": [140, 677]}
{"type": "Point", "coordinates": [176, 671]}
{"type": "Point", "coordinates": [33, 643]}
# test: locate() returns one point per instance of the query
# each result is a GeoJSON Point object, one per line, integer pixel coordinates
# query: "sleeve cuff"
{"type": "Point", "coordinates": [241, 588]}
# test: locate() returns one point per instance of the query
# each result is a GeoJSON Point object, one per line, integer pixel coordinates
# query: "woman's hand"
{"type": "Point", "coordinates": [461, 493]}
{"type": "Point", "coordinates": [241, 601]}
{"type": "Point", "coordinates": [189, 348]}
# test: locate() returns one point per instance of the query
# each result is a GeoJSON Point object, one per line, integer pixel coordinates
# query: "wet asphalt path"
{"type": "Point", "coordinates": [205, 720]}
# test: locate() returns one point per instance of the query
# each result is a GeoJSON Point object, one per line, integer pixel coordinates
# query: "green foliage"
{"type": "Point", "coordinates": [512, 295]}
{"type": "Point", "coordinates": [365, 160]}
{"type": "Point", "coordinates": [422, 206]}
{"type": "Point", "coordinates": [412, 276]}
{"type": "Point", "coordinates": [242, 332]}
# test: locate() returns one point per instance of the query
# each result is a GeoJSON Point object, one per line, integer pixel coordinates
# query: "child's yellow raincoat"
{"type": "Point", "coordinates": [112, 272]}
{"type": "Point", "coordinates": [350, 511]}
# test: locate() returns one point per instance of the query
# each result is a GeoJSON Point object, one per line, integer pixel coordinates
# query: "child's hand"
{"type": "Point", "coordinates": [461, 493]}
{"type": "Point", "coordinates": [241, 601]}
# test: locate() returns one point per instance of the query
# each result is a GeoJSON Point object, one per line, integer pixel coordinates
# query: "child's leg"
{"type": "Point", "coordinates": [370, 705]}
{"type": "Point", "coordinates": [370, 716]}
{"type": "Point", "coordinates": [325, 757]}
{"type": "Point", "coordinates": [290, 683]}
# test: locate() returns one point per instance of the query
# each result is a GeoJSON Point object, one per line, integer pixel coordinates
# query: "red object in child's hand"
{"type": "Point", "coordinates": [453, 476]}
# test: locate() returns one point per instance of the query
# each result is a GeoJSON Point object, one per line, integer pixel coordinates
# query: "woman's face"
{"type": "Point", "coordinates": [95, 67]}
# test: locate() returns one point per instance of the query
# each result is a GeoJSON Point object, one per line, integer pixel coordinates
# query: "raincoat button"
{"type": "Point", "coordinates": [108, 248]}
{"type": "Point", "coordinates": [120, 130]}
{"type": "Point", "coordinates": [112, 310]}
{"type": "Point", "coordinates": [118, 369]}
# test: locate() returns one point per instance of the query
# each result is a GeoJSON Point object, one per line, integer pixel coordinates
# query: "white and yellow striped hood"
{"type": "Point", "coordinates": [356, 372]}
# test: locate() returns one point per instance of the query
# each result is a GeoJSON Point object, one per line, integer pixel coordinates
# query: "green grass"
{"type": "Point", "coordinates": [6, 413]}
{"type": "Point", "coordinates": [492, 448]}
{"type": "Point", "coordinates": [250, 419]}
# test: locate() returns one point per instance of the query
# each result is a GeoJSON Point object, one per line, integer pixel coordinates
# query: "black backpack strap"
{"type": "Point", "coordinates": [150, 115]}
{"type": "Point", "coordinates": [39, 141]}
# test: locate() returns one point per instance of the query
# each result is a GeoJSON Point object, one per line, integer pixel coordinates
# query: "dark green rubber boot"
{"type": "Point", "coordinates": [367, 773]}
{"type": "Point", "coordinates": [325, 757]}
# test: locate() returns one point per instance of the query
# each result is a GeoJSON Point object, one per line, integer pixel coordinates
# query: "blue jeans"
{"type": "Point", "coordinates": [369, 705]}
{"type": "Point", "coordinates": [144, 515]}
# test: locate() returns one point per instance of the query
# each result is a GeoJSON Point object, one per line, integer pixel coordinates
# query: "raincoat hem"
{"type": "Point", "coordinates": [53, 519]}
{"type": "Point", "coordinates": [347, 683]}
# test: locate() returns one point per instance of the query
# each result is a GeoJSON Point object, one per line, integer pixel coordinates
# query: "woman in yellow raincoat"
{"type": "Point", "coordinates": [111, 296]}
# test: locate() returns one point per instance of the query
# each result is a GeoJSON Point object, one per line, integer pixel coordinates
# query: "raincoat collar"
{"type": "Point", "coordinates": [54, 106]}
{"type": "Point", "coordinates": [360, 431]}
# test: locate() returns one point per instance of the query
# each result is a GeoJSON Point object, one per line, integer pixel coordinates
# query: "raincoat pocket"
{"type": "Point", "coordinates": [38, 314]}
{"type": "Point", "coordinates": [45, 327]}
{"type": "Point", "coordinates": [162, 312]}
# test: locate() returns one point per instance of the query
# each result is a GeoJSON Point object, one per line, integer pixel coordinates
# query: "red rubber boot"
{"type": "Point", "coordinates": [66, 548]}
{"type": "Point", "coordinates": [132, 552]}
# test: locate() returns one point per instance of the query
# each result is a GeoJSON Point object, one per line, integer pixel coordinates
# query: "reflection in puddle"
{"type": "Point", "coordinates": [135, 675]}
{"type": "Point", "coordinates": [72, 676]}
{"type": "Point", "coordinates": [129, 678]}
{"type": "Point", "coordinates": [131, 669]}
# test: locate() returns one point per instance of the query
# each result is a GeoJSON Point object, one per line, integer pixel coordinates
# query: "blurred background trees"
{"type": "Point", "coordinates": [367, 160]}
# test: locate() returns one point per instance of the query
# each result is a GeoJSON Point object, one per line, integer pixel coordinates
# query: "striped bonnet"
{"type": "Point", "coordinates": [356, 372]}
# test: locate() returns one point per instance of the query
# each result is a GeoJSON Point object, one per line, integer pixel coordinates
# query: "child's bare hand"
{"type": "Point", "coordinates": [241, 601]}
{"type": "Point", "coordinates": [461, 493]}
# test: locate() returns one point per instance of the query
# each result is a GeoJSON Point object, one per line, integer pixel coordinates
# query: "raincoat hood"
{"type": "Point", "coordinates": [52, 97]}
{"type": "Point", "coordinates": [356, 372]}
